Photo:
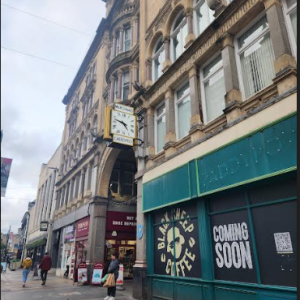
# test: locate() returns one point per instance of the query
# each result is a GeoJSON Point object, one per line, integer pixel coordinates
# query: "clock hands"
{"type": "Point", "coordinates": [124, 124]}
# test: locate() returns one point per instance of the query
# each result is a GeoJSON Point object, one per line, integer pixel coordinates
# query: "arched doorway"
{"type": "Point", "coordinates": [117, 183]}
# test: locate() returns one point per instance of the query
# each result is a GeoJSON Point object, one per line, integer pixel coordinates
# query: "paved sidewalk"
{"type": "Point", "coordinates": [56, 288]}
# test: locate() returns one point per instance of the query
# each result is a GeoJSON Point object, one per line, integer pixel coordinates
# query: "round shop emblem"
{"type": "Point", "coordinates": [176, 243]}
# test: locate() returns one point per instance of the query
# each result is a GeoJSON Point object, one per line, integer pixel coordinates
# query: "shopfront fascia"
{"type": "Point", "coordinates": [223, 226]}
{"type": "Point", "coordinates": [121, 238]}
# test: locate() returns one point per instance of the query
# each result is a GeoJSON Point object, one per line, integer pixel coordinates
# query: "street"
{"type": "Point", "coordinates": [56, 288]}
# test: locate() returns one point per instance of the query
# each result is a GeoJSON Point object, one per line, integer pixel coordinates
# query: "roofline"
{"type": "Point", "coordinates": [88, 58]}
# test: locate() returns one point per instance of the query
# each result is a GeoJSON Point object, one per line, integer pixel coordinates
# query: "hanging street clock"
{"type": "Point", "coordinates": [120, 125]}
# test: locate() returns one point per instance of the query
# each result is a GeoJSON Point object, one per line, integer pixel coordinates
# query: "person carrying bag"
{"type": "Point", "coordinates": [110, 283]}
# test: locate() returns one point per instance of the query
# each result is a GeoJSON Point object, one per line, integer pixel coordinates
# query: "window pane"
{"type": "Point", "coordinates": [161, 132]}
{"type": "Point", "coordinates": [204, 17]}
{"type": "Point", "coordinates": [184, 117]}
{"type": "Point", "coordinates": [126, 93]}
{"type": "Point", "coordinates": [214, 90]}
{"type": "Point", "coordinates": [183, 92]}
{"type": "Point", "coordinates": [258, 66]}
{"type": "Point", "coordinates": [253, 33]}
{"type": "Point", "coordinates": [125, 78]}
{"type": "Point", "coordinates": [176, 45]}
{"type": "Point", "coordinates": [294, 23]}
{"type": "Point", "coordinates": [161, 110]}
{"type": "Point", "coordinates": [290, 3]}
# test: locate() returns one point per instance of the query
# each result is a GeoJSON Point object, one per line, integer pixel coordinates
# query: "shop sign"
{"type": "Point", "coordinates": [121, 221]}
{"type": "Point", "coordinates": [82, 227]}
{"type": "Point", "coordinates": [177, 250]}
{"type": "Point", "coordinates": [232, 247]}
{"type": "Point", "coordinates": [82, 273]}
{"type": "Point", "coordinates": [69, 234]}
{"type": "Point", "coordinates": [44, 226]}
{"type": "Point", "coordinates": [120, 280]}
{"type": "Point", "coordinates": [97, 273]}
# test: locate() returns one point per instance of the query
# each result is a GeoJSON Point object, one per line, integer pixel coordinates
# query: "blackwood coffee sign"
{"type": "Point", "coordinates": [177, 245]}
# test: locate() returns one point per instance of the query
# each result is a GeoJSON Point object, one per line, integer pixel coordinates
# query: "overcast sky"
{"type": "Point", "coordinates": [32, 113]}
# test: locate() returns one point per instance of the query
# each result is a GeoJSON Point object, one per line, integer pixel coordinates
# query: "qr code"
{"type": "Point", "coordinates": [283, 243]}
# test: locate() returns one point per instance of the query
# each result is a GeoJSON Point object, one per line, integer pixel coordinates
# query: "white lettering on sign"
{"type": "Point", "coordinates": [123, 108]}
{"type": "Point", "coordinates": [123, 140]}
{"type": "Point", "coordinates": [176, 244]}
{"type": "Point", "coordinates": [121, 223]}
{"type": "Point", "coordinates": [83, 225]}
{"type": "Point", "coordinates": [232, 246]}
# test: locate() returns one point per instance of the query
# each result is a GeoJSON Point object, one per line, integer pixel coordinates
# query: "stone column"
{"type": "Point", "coordinates": [195, 101]}
{"type": "Point", "coordinates": [148, 72]}
{"type": "Point", "coordinates": [136, 38]}
{"type": "Point", "coordinates": [170, 117]}
{"type": "Point", "coordinates": [191, 35]}
{"type": "Point", "coordinates": [122, 40]}
{"type": "Point", "coordinates": [150, 131]}
{"type": "Point", "coordinates": [132, 33]}
{"type": "Point", "coordinates": [196, 120]}
{"type": "Point", "coordinates": [112, 89]}
{"type": "Point", "coordinates": [120, 79]}
{"type": "Point", "coordinates": [96, 241]}
{"type": "Point", "coordinates": [131, 76]}
{"type": "Point", "coordinates": [167, 63]}
{"type": "Point", "coordinates": [233, 97]}
{"type": "Point", "coordinates": [285, 63]}
{"type": "Point", "coordinates": [140, 268]}
{"type": "Point", "coordinates": [113, 49]}
{"type": "Point", "coordinates": [86, 181]}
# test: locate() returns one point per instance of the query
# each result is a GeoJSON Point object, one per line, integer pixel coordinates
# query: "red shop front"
{"type": "Point", "coordinates": [121, 238]}
{"type": "Point", "coordinates": [81, 242]}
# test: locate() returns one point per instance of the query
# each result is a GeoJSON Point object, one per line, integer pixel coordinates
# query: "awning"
{"type": "Point", "coordinates": [37, 243]}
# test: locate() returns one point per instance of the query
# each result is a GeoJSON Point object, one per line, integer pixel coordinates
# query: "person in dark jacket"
{"type": "Point", "coordinates": [45, 266]}
{"type": "Point", "coordinates": [113, 269]}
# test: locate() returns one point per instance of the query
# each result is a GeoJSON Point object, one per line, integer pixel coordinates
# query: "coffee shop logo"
{"type": "Point", "coordinates": [175, 243]}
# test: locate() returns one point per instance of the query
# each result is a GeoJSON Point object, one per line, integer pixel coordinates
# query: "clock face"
{"type": "Point", "coordinates": [123, 124]}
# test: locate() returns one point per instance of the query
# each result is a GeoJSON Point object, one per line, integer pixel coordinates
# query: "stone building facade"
{"type": "Point", "coordinates": [39, 229]}
{"type": "Point", "coordinates": [214, 86]}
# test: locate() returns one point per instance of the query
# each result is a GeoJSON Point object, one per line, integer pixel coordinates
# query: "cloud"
{"type": "Point", "coordinates": [32, 115]}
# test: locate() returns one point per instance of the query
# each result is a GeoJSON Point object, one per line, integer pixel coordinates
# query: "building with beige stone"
{"type": "Point", "coordinates": [39, 230]}
{"type": "Point", "coordinates": [211, 184]}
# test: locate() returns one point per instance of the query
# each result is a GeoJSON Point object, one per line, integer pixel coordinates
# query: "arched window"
{"type": "Point", "coordinates": [203, 15]}
{"type": "Point", "coordinates": [178, 34]}
{"type": "Point", "coordinates": [158, 59]}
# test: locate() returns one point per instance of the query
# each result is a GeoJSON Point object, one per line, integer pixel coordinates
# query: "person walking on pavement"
{"type": "Point", "coordinates": [45, 266]}
{"type": "Point", "coordinates": [26, 265]}
{"type": "Point", "coordinates": [113, 269]}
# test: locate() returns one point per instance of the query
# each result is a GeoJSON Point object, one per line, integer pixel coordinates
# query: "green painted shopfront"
{"type": "Point", "coordinates": [223, 226]}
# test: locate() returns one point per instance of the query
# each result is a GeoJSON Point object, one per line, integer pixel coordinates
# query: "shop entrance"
{"type": "Point", "coordinates": [121, 214]}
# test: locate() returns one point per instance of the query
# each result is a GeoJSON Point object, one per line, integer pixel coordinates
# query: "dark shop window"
{"type": "Point", "coordinates": [258, 228]}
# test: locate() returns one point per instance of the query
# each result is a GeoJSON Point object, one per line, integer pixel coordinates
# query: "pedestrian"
{"type": "Point", "coordinates": [45, 266]}
{"type": "Point", "coordinates": [26, 265]}
{"type": "Point", "coordinates": [113, 269]}
{"type": "Point", "coordinates": [68, 266]}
